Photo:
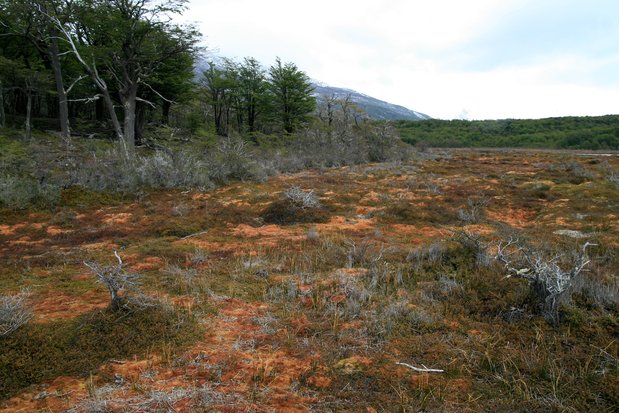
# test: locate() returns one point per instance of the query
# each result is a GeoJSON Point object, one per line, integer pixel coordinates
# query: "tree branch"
{"type": "Point", "coordinates": [157, 93]}
{"type": "Point", "coordinates": [74, 83]}
{"type": "Point", "coordinates": [148, 102]}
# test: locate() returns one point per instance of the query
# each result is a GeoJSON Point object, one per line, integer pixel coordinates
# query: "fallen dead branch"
{"type": "Point", "coordinates": [422, 370]}
{"type": "Point", "coordinates": [195, 234]}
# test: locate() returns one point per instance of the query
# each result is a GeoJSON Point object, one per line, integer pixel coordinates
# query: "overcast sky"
{"type": "Point", "coordinates": [479, 59]}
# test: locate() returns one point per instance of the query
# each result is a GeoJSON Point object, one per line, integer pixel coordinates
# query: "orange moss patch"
{"type": "Point", "coordinates": [340, 224]}
{"type": "Point", "coordinates": [11, 229]}
{"type": "Point", "coordinates": [118, 218]}
{"type": "Point", "coordinates": [105, 245]}
{"type": "Point", "coordinates": [148, 263]}
{"type": "Point", "coordinates": [420, 381]}
{"type": "Point", "coordinates": [60, 306]}
{"type": "Point", "coordinates": [319, 381]}
{"type": "Point", "coordinates": [54, 230]}
{"type": "Point", "coordinates": [26, 241]}
{"type": "Point", "coordinates": [53, 398]}
{"type": "Point", "coordinates": [423, 231]}
{"type": "Point", "coordinates": [518, 218]}
{"type": "Point", "coordinates": [247, 231]}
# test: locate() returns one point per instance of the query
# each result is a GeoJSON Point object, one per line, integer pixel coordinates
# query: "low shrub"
{"type": "Point", "coordinates": [21, 192]}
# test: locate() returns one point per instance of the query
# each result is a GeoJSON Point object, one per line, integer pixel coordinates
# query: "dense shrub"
{"type": "Point", "coordinates": [116, 170]}
{"type": "Point", "coordinates": [18, 192]}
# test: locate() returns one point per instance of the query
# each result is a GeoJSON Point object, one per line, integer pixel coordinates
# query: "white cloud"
{"type": "Point", "coordinates": [437, 57]}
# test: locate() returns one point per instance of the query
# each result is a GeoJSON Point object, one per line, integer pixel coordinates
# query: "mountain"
{"type": "Point", "coordinates": [375, 108]}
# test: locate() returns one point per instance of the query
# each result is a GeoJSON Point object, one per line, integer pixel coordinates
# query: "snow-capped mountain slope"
{"type": "Point", "coordinates": [375, 108]}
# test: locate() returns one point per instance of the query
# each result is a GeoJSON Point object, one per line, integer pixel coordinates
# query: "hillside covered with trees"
{"type": "Point", "coordinates": [600, 132]}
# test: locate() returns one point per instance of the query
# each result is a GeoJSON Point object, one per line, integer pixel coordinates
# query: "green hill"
{"type": "Point", "coordinates": [600, 132]}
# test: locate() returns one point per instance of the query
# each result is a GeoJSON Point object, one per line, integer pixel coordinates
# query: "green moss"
{"type": "Point", "coordinates": [165, 248]}
{"type": "Point", "coordinates": [80, 197]}
{"type": "Point", "coordinates": [40, 352]}
{"type": "Point", "coordinates": [283, 212]}
{"type": "Point", "coordinates": [408, 213]}
{"type": "Point", "coordinates": [14, 155]}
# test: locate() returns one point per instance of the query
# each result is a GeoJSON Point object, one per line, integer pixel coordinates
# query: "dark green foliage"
{"type": "Point", "coordinates": [284, 212]}
{"type": "Point", "coordinates": [80, 197]}
{"type": "Point", "coordinates": [292, 95]}
{"type": "Point", "coordinates": [409, 213]}
{"type": "Point", "coordinates": [601, 132]}
{"type": "Point", "coordinates": [242, 98]}
{"type": "Point", "coordinates": [39, 352]}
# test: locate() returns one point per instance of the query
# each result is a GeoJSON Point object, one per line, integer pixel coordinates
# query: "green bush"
{"type": "Point", "coordinates": [18, 192]}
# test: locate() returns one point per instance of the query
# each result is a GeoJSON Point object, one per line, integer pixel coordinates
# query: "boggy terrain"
{"type": "Point", "coordinates": [303, 292]}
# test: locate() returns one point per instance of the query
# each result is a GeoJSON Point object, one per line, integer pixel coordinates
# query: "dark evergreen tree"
{"type": "Point", "coordinates": [291, 91]}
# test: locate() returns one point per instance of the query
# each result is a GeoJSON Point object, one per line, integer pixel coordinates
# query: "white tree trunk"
{"type": "Point", "coordinates": [28, 126]}
{"type": "Point", "coordinates": [129, 105]}
{"type": "Point", "coordinates": [63, 105]}
{"type": "Point", "coordinates": [2, 114]}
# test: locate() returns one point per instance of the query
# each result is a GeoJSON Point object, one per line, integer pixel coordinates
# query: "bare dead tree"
{"type": "Point", "coordinates": [301, 199]}
{"type": "Point", "coordinates": [550, 283]}
{"type": "Point", "coordinates": [474, 211]}
{"type": "Point", "coordinates": [14, 313]}
{"type": "Point", "coordinates": [115, 279]}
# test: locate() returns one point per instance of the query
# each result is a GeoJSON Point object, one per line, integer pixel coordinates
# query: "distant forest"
{"type": "Point", "coordinates": [599, 132]}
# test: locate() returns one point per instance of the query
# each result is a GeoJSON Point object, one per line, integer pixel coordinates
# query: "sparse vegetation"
{"type": "Point", "coordinates": [367, 258]}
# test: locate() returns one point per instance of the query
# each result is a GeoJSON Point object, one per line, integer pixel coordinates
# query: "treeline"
{"type": "Point", "coordinates": [600, 132]}
{"type": "Point", "coordinates": [112, 60]}
{"type": "Point", "coordinates": [122, 71]}
{"type": "Point", "coordinates": [116, 66]}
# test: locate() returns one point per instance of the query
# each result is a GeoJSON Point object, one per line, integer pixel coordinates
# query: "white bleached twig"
{"type": "Point", "coordinates": [422, 370]}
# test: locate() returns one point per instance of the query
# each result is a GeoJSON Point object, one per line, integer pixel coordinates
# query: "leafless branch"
{"type": "Point", "coordinates": [148, 102]}
{"type": "Point", "coordinates": [157, 93]}
{"type": "Point", "coordinates": [86, 100]}
{"type": "Point", "coordinates": [74, 83]}
{"type": "Point", "coordinates": [549, 281]}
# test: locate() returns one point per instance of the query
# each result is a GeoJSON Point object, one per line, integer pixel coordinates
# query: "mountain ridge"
{"type": "Point", "coordinates": [375, 108]}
